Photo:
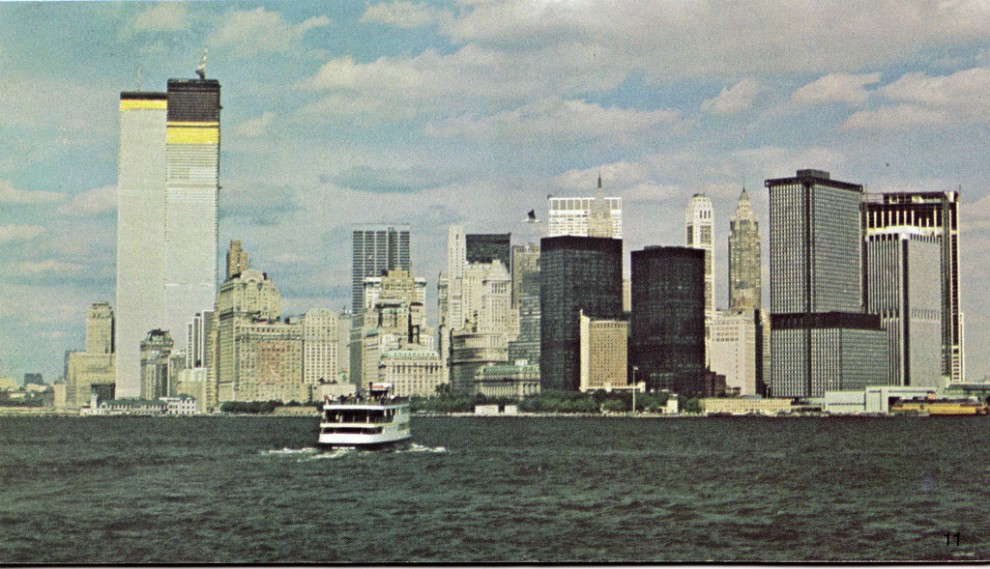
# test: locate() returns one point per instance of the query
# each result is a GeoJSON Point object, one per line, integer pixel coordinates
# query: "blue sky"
{"type": "Point", "coordinates": [473, 112]}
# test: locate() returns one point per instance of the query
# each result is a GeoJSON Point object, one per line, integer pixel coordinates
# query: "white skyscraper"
{"type": "Point", "coordinates": [573, 216]}
{"type": "Point", "coordinates": [166, 216]}
{"type": "Point", "coordinates": [699, 222]}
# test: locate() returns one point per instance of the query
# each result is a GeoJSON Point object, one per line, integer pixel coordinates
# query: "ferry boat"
{"type": "Point", "coordinates": [929, 406]}
{"type": "Point", "coordinates": [372, 421]}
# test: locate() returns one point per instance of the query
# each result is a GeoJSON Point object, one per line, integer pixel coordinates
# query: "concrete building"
{"type": "Point", "coordinates": [412, 371]}
{"type": "Point", "coordinates": [821, 340]}
{"type": "Point", "coordinates": [904, 289]}
{"type": "Point", "coordinates": [95, 366]}
{"type": "Point", "coordinates": [487, 247]}
{"type": "Point", "coordinates": [376, 249]}
{"type": "Point", "coordinates": [518, 380]}
{"type": "Point", "coordinates": [571, 216]}
{"type": "Point", "coordinates": [929, 214]}
{"type": "Point", "coordinates": [872, 400]}
{"type": "Point", "coordinates": [168, 183]}
{"type": "Point", "coordinates": [156, 349]}
{"type": "Point", "coordinates": [744, 257]}
{"type": "Point", "coordinates": [576, 274]}
{"type": "Point", "coordinates": [737, 349]}
{"type": "Point", "coordinates": [526, 303]}
{"type": "Point", "coordinates": [699, 223]}
{"type": "Point", "coordinates": [270, 363]}
{"type": "Point", "coordinates": [395, 321]}
{"type": "Point", "coordinates": [237, 260]}
{"type": "Point", "coordinates": [320, 346]}
{"type": "Point", "coordinates": [604, 353]}
{"type": "Point", "coordinates": [472, 350]}
{"type": "Point", "coordinates": [668, 318]}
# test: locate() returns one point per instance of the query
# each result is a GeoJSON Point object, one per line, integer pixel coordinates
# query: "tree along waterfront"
{"type": "Point", "coordinates": [550, 401]}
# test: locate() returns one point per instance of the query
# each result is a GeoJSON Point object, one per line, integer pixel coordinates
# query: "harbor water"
{"type": "Point", "coordinates": [497, 489]}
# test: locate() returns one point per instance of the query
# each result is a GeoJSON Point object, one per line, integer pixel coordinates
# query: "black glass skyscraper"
{"type": "Point", "coordinates": [487, 247]}
{"type": "Point", "coordinates": [576, 274]}
{"type": "Point", "coordinates": [668, 318]}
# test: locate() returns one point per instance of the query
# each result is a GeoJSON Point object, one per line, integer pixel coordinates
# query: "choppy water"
{"type": "Point", "coordinates": [253, 489]}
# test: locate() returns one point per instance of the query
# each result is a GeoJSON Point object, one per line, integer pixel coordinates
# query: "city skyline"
{"type": "Point", "coordinates": [364, 113]}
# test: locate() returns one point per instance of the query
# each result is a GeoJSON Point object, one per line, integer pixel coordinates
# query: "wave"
{"type": "Point", "coordinates": [289, 451]}
{"type": "Point", "coordinates": [416, 447]}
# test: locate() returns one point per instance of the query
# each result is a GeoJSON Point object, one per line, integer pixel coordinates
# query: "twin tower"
{"type": "Point", "coordinates": [168, 185]}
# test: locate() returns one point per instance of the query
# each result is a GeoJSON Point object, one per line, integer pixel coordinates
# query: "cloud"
{"type": "Point", "coordinates": [15, 233]}
{"type": "Point", "coordinates": [387, 180]}
{"type": "Point", "coordinates": [734, 99]}
{"type": "Point", "coordinates": [48, 266]}
{"type": "Point", "coordinates": [560, 121]}
{"type": "Point", "coordinates": [919, 100]}
{"type": "Point", "coordinates": [260, 31]}
{"type": "Point", "coordinates": [163, 17]}
{"type": "Point", "coordinates": [847, 88]}
{"type": "Point", "coordinates": [401, 14]}
{"type": "Point", "coordinates": [11, 195]}
{"type": "Point", "coordinates": [261, 204]}
{"type": "Point", "coordinates": [662, 38]}
{"type": "Point", "coordinates": [253, 128]}
{"type": "Point", "coordinates": [91, 202]}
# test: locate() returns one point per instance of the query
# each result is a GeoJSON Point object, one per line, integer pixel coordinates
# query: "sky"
{"type": "Point", "coordinates": [473, 112]}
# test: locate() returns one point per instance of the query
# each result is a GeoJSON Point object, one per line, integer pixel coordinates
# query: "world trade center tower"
{"type": "Point", "coordinates": [168, 184]}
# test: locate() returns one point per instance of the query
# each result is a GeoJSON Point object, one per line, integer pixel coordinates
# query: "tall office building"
{"type": "Point", "coordinates": [576, 274]}
{"type": "Point", "coordinates": [903, 288]}
{"type": "Point", "coordinates": [668, 318]}
{"type": "Point", "coordinates": [744, 257]}
{"type": "Point", "coordinates": [376, 249]}
{"type": "Point", "coordinates": [820, 339]}
{"type": "Point", "coordinates": [168, 182]}
{"type": "Point", "coordinates": [936, 214]}
{"type": "Point", "coordinates": [571, 216]}
{"type": "Point", "coordinates": [99, 329]}
{"type": "Point", "coordinates": [700, 228]}
{"type": "Point", "coordinates": [237, 259]}
{"type": "Point", "coordinates": [486, 247]}
{"type": "Point", "coordinates": [320, 344]}
{"type": "Point", "coordinates": [156, 348]}
{"type": "Point", "coordinates": [526, 299]}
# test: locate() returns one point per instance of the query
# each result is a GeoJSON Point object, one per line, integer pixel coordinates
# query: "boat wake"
{"type": "Point", "coordinates": [289, 451]}
{"type": "Point", "coordinates": [414, 447]}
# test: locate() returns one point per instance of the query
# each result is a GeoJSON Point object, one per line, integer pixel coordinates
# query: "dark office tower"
{"type": "Point", "coordinates": [376, 249]}
{"type": "Point", "coordinates": [744, 257]}
{"type": "Point", "coordinates": [928, 214]}
{"type": "Point", "coordinates": [526, 298]}
{"type": "Point", "coordinates": [576, 274]}
{"type": "Point", "coordinates": [668, 318]}
{"type": "Point", "coordinates": [487, 247]}
{"type": "Point", "coordinates": [821, 339]}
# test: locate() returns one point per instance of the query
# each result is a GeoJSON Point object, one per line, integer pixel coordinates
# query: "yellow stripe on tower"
{"type": "Point", "coordinates": [192, 135]}
{"type": "Point", "coordinates": [143, 104]}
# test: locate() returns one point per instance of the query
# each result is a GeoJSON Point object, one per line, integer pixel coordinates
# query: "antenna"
{"type": "Point", "coordinates": [201, 68]}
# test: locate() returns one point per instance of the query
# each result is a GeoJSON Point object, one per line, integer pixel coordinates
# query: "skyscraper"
{"type": "Point", "coordinates": [168, 182]}
{"type": "Point", "coordinates": [576, 274]}
{"type": "Point", "coordinates": [820, 339]}
{"type": "Point", "coordinates": [376, 249]}
{"type": "Point", "coordinates": [572, 216]}
{"type": "Point", "coordinates": [99, 329]}
{"type": "Point", "coordinates": [937, 214]}
{"type": "Point", "coordinates": [668, 318]}
{"type": "Point", "coordinates": [903, 288]}
{"type": "Point", "coordinates": [237, 259]}
{"type": "Point", "coordinates": [486, 247]}
{"type": "Point", "coordinates": [744, 257]}
{"type": "Point", "coordinates": [699, 223]}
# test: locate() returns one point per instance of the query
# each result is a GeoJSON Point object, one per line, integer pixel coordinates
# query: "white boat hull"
{"type": "Point", "coordinates": [383, 426]}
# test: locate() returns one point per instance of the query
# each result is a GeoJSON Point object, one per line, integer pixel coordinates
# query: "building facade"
{"type": "Point", "coordinates": [156, 349]}
{"type": "Point", "coordinates": [604, 353]}
{"type": "Point", "coordinates": [820, 337]}
{"type": "Point", "coordinates": [375, 250]}
{"type": "Point", "coordinates": [526, 302]}
{"type": "Point", "coordinates": [487, 247]}
{"type": "Point", "coordinates": [97, 365]}
{"type": "Point", "coordinates": [903, 287]}
{"type": "Point", "coordinates": [668, 318]}
{"type": "Point", "coordinates": [320, 346]}
{"type": "Point", "coordinates": [699, 224]}
{"type": "Point", "coordinates": [570, 216]}
{"type": "Point", "coordinates": [168, 183]}
{"type": "Point", "coordinates": [737, 350]}
{"type": "Point", "coordinates": [935, 214]}
{"type": "Point", "coordinates": [745, 277]}
{"type": "Point", "coordinates": [576, 274]}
